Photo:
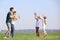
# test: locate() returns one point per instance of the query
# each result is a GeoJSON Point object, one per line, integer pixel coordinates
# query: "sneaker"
{"type": "Point", "coordinates": [45, 34]}
{"type": "Point", "coordinates": [5, 37]}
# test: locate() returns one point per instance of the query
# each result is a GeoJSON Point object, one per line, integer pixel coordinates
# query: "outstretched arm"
{"type": "Point", "coordinates": [12, 16]}
{"type": "Point", "coordinates": [35, 15]}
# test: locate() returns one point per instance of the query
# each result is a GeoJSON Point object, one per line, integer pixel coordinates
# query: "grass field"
{"type": "Point", "coordinates": [32, 36]}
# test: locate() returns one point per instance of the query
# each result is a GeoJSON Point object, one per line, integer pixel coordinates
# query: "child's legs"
{"type": "Point", "coordinates": [12, 30]}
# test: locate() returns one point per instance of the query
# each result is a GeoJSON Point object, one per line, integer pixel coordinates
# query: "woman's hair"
{"type": "Point", "coordinates": [14, 12]}
{"type": "Point", "coordinates": [45, 17]}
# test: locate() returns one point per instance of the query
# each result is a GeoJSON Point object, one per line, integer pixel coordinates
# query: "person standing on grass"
{"type": "Point", "coordinates": [37, 24]}
{"type": "Point", "coordinates": [44, 26]}
{"type": "Point", "coordinates": [13, 22]}
{"type": "Point", "coordinates": [8, 21]}
{"type": "Point", "coordinates": [0, 30]}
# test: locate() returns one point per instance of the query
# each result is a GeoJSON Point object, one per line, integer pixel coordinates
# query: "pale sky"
{"type": "Point", "coordinates": [26, 8]}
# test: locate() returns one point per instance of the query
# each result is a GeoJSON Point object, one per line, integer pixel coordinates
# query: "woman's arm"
{"type": "Point", "coordinates": [17, 17]}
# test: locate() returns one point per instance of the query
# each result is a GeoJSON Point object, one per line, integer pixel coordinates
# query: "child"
{"type": "Point", "coordinates": [37, 24]}
{"type": "Point", "coordinates": [44, 26]}
{"type": "Point", "coordinates": [13, 22]}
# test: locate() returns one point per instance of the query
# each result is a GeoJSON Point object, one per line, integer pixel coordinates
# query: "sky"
{"type": "Point", "coordinates": [26, 8]}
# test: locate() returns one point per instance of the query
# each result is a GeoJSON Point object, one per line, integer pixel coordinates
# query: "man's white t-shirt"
{"type": "Point", "coordinates": [37, 23]}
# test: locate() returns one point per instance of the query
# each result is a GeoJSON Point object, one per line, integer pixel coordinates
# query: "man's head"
{"type": "Point", "coordinates": [11, 9]}
{"type": "Point", "coordinates": [35, 13]}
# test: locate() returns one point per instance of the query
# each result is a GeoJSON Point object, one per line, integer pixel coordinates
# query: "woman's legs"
{"type": "Point", "coordinates": [12, 30]}
{"type": "Point", "coordinates": [44, 30]}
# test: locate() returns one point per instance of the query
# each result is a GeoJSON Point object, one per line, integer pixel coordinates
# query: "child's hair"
{"type": "Point", "coordinates": [14, 12]}
{"type": "Point", "coordinates": [45, 17]}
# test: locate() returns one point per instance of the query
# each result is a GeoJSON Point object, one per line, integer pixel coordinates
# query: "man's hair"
{"type": "Point", "coordinates": [11, 8]}
{"type": "Point", "coordinates": [14, 12]}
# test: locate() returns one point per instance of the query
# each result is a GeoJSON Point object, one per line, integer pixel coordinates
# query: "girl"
{"type": "Point", "coordinates": [44, 26]}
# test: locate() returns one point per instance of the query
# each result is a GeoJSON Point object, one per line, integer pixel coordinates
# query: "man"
{"type": "Point", "coordinates": [37, 24]}
{"type": "Point", "coordinates": [8, 21]}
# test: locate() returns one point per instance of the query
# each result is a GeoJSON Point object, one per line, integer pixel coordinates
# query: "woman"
{"type": "Point", "coordinates": [44, 26]}
{"type": "Point", "coordinates": [13, 22]}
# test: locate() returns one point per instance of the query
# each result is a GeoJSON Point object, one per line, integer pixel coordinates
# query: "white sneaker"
{"type": "Point", "coordinates": [5, 37]}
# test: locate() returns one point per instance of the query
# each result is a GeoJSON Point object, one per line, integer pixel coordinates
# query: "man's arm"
{"type": "Point", "coordinates": [35, 15]}
{"type": "Point", "coordinates": [12, 16]}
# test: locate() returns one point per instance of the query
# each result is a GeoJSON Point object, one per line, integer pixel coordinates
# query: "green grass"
{"type": "Point", "coordinates": [32, 36]}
